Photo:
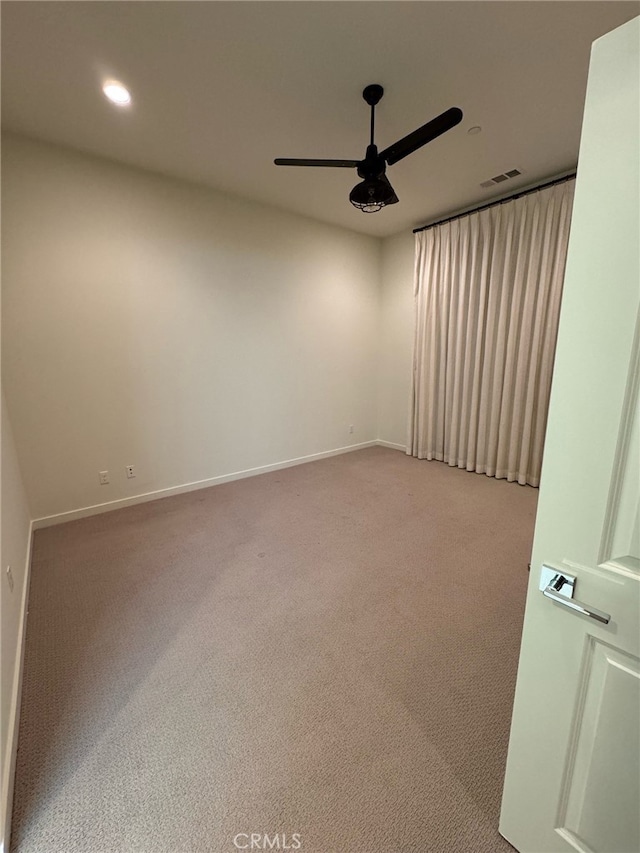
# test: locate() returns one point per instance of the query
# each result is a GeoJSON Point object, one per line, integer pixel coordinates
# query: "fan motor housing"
{"type": "Point", "coordinates": [373, 165]}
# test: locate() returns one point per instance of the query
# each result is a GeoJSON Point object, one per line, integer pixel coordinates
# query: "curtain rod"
{"type": "Point", "coordinates": [497, 201]}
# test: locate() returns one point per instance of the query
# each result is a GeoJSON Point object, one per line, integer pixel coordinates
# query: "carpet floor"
{"type": "Point", "coordinates": [329, 650]}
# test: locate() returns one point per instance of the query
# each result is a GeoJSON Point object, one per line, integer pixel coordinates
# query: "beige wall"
{"type": "Point", "coordinates": [153, 323]}
{"type": "Point", "coordinates": [396, 337]}
{"type": "Point", "coordinates": [14, 535]}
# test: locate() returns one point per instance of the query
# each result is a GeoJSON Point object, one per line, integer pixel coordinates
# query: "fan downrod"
{"type": "Point", "coordinates": [372, 94]}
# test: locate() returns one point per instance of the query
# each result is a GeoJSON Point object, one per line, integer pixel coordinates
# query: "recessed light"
{"type": "Point", "coordinates": [117, 93]}
{"type": "Point", "coordinates": [474, 130]}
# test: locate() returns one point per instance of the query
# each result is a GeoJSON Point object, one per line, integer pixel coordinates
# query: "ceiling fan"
{"type": "Point", "coordinates": [375, 192]}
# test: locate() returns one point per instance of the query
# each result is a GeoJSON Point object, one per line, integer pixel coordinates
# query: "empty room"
{"type": "Point", "coordinates": [320, 507]}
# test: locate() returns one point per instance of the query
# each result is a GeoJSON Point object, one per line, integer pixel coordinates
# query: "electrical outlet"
{"type": "Point", "coordinates": [131, 471]}
{"type": "Point", "coordinates": [104, 477]}
{"type": "Point", "coordinates": [351, 429]}
{"type": "Point", "coordinates": [10, 578]}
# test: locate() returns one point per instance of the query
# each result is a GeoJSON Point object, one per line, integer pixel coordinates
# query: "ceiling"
{"type": "Point", "coordinates": [221, 88]}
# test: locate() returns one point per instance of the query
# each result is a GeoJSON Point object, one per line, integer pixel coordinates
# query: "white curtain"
{"type": "Point", "coordinates": [487, 293]}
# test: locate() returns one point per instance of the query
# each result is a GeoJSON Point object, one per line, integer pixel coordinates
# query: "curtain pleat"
{"type": "Point", "coordinates": [487, 292]}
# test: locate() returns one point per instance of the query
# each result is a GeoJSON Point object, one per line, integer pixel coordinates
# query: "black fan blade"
{"type": "Point", "coordinates": [341, 164]}
{"type": "Point", "coordinates": [432, 129]}
{"type": "Point", "coordinates": [395, 198]}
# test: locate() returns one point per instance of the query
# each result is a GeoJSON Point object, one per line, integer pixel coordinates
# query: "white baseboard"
{"type": "Point", "coordinates": [97, 509]}
{"type": "Point", "coordinates": [391, 445]}
{"type": "Point", "coordinates": [9, 768]}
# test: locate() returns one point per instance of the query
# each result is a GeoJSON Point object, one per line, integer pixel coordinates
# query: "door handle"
{"type": "Point", "coordinates": [559, 588]}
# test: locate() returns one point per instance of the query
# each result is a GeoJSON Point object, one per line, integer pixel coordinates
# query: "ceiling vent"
{"type": "Point", "coordinates": [512, 173]}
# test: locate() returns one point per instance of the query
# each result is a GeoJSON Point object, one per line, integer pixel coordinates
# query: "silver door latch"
{"type": "Point", "coordinates": [559, 587]}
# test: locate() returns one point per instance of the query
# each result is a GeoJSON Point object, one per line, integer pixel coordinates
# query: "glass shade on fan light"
{"type": "Point", "coordinates": [371, 195]}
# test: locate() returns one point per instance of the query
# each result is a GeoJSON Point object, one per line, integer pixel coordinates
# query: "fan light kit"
{"type": "Point", "coordinates": [375, 192]}
{"type": "Point", "coordinates": [117, 93]}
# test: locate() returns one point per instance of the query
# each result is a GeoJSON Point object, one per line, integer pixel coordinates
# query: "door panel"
{"type": "Point", "coordinates": [621, 536]}
{"type": "Point", "coordinates": [595, 800]}
{"type": "Point", "coordinates": [573, 766]}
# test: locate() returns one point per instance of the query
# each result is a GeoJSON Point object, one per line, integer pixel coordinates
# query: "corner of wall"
{"type": "Point", "coordinates": [395, 338]}
{"type": "Point", "coordinates": [16, 531]}
{"type": "Point", "coordinates": [11, 747]}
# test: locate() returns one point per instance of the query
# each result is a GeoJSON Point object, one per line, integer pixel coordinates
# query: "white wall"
{"type": "Point", "coordinates": [153, 323]}
{"type": "Point", "coordinates": [396, 337]}
{"type": "Point", "coordinates": [14, 537]}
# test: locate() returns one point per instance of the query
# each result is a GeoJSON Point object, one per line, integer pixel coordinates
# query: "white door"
{"type": "Point", "coordinates": [573, 770]}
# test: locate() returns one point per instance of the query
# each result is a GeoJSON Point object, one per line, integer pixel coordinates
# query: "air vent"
{"type": "Point", "coordinates": [512, 173]}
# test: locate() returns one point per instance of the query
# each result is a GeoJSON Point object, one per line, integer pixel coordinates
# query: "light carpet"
{"type": "Point", "coordinates": [328, 650]}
